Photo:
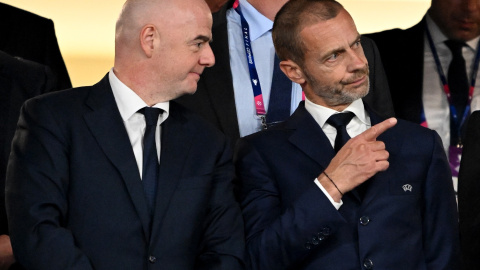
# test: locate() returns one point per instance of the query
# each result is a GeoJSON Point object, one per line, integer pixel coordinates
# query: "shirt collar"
{"type": "Point", "coordinates": [321, 113]}
{"type": "Point", "coordinates": [258, 23]}
{"type": "Point", "coordinates": [128, 102]}
{"type": "Point", "coordinates": [439, 38]}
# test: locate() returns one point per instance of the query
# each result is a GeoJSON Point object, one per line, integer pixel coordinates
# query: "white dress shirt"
{"type": "Point", "coordinates": [263, 53]}
{"type": "Point", "coordinates": [129, 103]}
{"type": "Point", "coordinates": [435, 104]}
{"type": "Point", "coordinates": [359, 123]}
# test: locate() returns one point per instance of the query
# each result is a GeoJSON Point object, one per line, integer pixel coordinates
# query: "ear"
{"type": "Point", "coordinates": [292, 71]}
{"type": "Point", "coordinates": [147, 38]}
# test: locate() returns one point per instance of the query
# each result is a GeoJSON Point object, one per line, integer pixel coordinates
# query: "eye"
{"type": "Point", "coordinates": [357, 44]}
{"type": "Point", "coordinates": [333, 57]}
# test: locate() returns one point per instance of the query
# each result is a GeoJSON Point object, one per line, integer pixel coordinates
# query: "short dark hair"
{"type": "Point", "coordinates": [292, 18]}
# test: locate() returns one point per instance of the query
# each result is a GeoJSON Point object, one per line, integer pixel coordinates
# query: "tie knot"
{"type": "Point", "coordinates": [151, 115]}
{"type": "Point", "coordinates": [455, 46]}
{"type": "Point", "coordinates": [340, 119]}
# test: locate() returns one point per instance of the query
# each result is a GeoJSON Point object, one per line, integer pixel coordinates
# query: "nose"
{"type": "Point", "coordinates": [357, 60]}
{"type": "Point", "coordinates": [207, 58]}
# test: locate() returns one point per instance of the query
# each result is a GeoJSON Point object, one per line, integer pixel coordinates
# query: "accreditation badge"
{"type": "Point", "coordinates": [454, 156]}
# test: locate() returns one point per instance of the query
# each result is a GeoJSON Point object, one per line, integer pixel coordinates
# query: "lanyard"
{"type": "Point", "coordinates": [254, 80]}
{"type": "Point", "coordinates": [457, 122]}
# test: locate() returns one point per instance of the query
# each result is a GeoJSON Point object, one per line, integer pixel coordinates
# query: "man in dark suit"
{"type": "Point", "coordinates": [468, 199]}
{"type": "Point", "coordinates": [224, 95]}
{"type": "Point", "coordinates": [39, 45]}
{"type": "Point", "coordinates": [386, 204]}
{"type": "Point", "coordinates": [418, 82]}
{"type": "Point", "coordinates": [19, 80]}
{"type": "Point", "coordinates": [83, 193]}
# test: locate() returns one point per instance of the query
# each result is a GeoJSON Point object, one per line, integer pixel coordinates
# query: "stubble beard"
{"type": "Point", "coordinates": [336, 95]}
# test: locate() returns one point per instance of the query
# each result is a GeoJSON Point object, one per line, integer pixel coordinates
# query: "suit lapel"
{"type": "Point", "coordinates": [220, 87]}
{"type": "Point", "coordinates": [106, 125]}
{"type": "Point", "coordinates": [176, 142]}
{"type": "Point", "coordinates": [379, 183]}
{"type": "Point", "coordinates": [309, 137]}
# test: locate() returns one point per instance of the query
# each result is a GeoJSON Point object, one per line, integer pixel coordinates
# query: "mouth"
{"type": "Point", "coordinates": [465, 23]}
{"type": "Point", "coordinates": [196, 74]}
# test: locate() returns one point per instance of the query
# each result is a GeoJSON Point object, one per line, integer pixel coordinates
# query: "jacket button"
{"type": "Point", "coordinates": [326, 231]}
{"type": "Point", "coordinates": [152, 259]}
{"type": "Point", "coordinates": [308, 245]}
{"type": "Point", "coordinates": [315, 240]}
{"type": "Point", "coordinates": [364, 220]}
{"type": "Point", "coordinates": [368, 264]}
{"type": "Point", "coordinates": [321, 236]}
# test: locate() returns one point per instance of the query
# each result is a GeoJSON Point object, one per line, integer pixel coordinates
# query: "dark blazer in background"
{"type": "Point", "coordinates": [402, 56]}
{"type": "Point", "coordinates": [27, 35]}
{"type": "Point", "coordinates": [215, 100]}
{"type": "Point", "coordinates": [469, 195]}
{"type": "Point", "coordinates": [19, 80]}
{"type": "Point", "coordinates": [290, 223]}
{"type": "Point", "coordinates": [75, 199]}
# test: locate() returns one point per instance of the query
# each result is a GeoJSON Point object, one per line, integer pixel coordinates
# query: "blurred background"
{"type": "Point", "coordinates": [85, 29]}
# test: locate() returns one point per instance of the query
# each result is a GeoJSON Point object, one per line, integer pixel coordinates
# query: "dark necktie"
{"type": "Point", "coordinates": [340, 122]}
{"type": "Point", "coordinates": [458, 84]}
{"type": "Point", "coordinates": [280, 95]}
{"type": "Point", "coordinates": [150, 158]}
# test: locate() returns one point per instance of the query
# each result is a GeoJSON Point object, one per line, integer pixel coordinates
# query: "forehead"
{"type": "Point", "coordinates": [189, 20]}
{"type": "Point", "coordinates": [326, 35]}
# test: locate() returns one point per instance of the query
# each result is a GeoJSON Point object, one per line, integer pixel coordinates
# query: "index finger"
{"type": "Point", "coordinates": [372, 133]}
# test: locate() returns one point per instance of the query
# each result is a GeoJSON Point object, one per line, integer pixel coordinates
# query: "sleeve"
{"type": "Point", "coordinates": [223, 244]}
{"type": "Point", "coordinates": [279, 238]}
{"type": "Point", "coordinates": [440, 221]}
{"type": "Point", "coordinates": [468, 195]}
{"type": "Point", "coordinates": [36, 193]}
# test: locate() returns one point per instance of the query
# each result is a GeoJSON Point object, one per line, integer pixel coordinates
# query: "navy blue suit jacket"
{"type": "Point", "coordinates": [290, 223]}
{"type": "Point", "coordinates": [75, 199]}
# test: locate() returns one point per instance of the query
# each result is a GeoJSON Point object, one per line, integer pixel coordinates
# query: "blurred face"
{"type": "Point", "coordinates": [458, 19]}
{"type": "Point", "coordinates": [183, 51]}
{"type": "Point", "coordinates": [335, 68]}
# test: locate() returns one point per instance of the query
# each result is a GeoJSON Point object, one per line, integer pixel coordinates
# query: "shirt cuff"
{"type": "Point", "coordinates": [335, 204]}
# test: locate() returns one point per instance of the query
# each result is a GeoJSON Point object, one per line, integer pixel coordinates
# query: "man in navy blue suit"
{"type": "Point", "coordinates": [119, 176]}
{"type": "Point", "coordinates": [307, 202]}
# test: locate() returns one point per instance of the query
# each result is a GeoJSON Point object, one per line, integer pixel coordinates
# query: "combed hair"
{"type": "Point", "coordinates": [292, 18]}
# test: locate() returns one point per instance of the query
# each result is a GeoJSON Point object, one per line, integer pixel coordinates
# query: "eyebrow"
{"type": "Point", "coordinates": [341, 50]}
{"type": "Point", "coordinates": [202, 38]}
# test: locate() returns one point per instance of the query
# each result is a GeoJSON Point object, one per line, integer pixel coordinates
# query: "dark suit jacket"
{"type": "Point", "coordinates": [402, 56]}
{"type": "Point", "coordinates": [290, 223]}
{"type": "Point", "coordinates": [75, 199]}
{"type": "Point", "coordinates": [27, 35]}
{"type": "Point", "coordinates": [215, 100]}
{"type": "Point", "coordinates": [19, 80]}
{"type": "Point", "coordinates": [468, 195]}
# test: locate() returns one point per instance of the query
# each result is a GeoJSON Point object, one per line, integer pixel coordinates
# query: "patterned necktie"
{"type": "Point", "coordinates": [458, 84]}
{"type": "Point", "coordinates": [340, 122]}
{"type": "Point", "coordinates": [150, 158]}
{"type": "Point", "coordinates": [280, 95]}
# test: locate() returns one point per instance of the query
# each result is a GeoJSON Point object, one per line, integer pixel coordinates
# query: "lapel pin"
{"type": "Point", "coordinates": [407, 187]}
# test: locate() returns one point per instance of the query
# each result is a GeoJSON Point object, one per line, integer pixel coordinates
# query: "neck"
{"type": "Point", "coordinates": [268, 8]}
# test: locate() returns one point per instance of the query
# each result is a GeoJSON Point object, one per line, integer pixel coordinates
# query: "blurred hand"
{"type": "Point", "coordinates": [6, 253]}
